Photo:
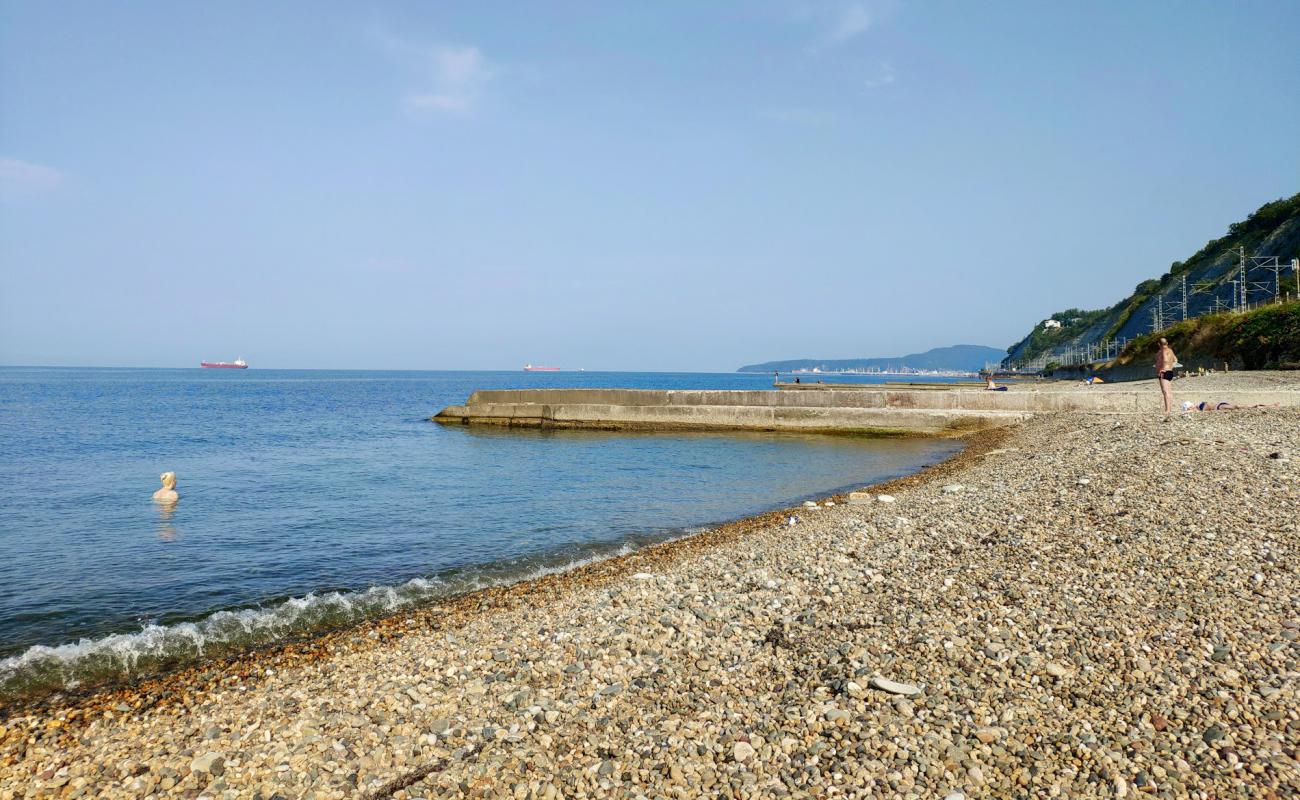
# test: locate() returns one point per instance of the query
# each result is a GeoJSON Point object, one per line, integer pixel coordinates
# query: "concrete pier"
{"type": "Point", "coordinates": [879, 411]}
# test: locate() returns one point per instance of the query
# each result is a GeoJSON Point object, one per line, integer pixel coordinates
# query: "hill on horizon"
{"type": "Point", "coordinates": [958, 357]}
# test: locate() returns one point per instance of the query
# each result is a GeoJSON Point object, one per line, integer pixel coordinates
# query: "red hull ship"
{"type": "Point", "coordinates": [531, 368]}
{"type": "Point", "coordinates": [238, 363]}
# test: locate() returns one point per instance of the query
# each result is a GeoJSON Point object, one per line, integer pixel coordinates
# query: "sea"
{"type": "Point", "coordinates": [311, 500]}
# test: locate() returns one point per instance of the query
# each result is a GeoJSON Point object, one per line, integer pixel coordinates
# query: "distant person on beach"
{"type": "Point", "coordinates": [1165, 361]}
{"type": "Point", "coordinates": [167, 494]}
{"type": "Point", "coordinates": [990, 386]}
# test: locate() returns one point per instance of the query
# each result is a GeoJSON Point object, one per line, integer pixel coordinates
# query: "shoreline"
{"type": "Point", "coordinates": [154, 688]}
{"type": "Point", "coordinates": [1081, 605]}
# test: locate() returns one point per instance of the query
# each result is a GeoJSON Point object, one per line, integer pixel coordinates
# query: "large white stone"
{"type": "Point", "coordinates": [894, 687]}
{"type": "Point", "coordinates": [209, 763]}
{"type": "Point", "coordinates": [742, 751]}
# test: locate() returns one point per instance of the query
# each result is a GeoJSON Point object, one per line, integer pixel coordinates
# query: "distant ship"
{"type": "Point", "coordinates": [238, 363]}
{"type": "Point", "coordinates": [531, 368]}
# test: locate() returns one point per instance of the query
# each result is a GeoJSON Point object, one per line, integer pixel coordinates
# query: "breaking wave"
{"type": "Point", "coordinates": [42, 669]}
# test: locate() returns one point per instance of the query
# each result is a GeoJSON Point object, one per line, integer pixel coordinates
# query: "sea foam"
{"type": "Point", "coordinates": [43, 669]}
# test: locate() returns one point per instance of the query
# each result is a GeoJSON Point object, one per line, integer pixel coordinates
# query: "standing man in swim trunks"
{"type": "Point", "coordinates": [1165, 360]}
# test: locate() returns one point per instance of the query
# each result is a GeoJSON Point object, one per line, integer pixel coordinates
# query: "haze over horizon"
{"type": "Point", "coordinates": [664, 187]}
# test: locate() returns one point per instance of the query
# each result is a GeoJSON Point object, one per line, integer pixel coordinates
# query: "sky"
{"type": "Point", "coordinates": [625, 186]}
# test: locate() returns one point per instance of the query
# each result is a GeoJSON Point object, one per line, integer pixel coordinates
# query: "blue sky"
{"type": "Point", "coordinates": [661, 186]}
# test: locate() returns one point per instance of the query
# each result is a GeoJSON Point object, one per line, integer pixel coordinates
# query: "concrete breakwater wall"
{"type": "Point", "coordinates": [883, 413]}
{"type": "Point", "coordinates": [889, 412]}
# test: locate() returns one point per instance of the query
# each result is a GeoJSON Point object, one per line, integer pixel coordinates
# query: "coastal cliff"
{"type": "Point", "coordinates": [1266, 338]}
{"type": "Point", "coordinates": [1209, 275]}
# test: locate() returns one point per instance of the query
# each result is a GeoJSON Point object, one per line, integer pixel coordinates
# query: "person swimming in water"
{"type": "Point", "coordinates": [167, 494]}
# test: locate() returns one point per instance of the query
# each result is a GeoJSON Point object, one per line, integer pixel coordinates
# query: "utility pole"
{"type": "Point", "coordinates": [1241, 278]}
{"type": "Point", "coordinates": [1276, 266]}
{"type": "Point", "coordinates": [1184, 303]}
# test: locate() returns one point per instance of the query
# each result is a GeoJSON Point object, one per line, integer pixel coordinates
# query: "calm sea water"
{"type": "Point", "coordinates": [310, 499]}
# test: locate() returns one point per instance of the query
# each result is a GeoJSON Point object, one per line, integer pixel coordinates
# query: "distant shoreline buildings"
{"type": "Point", "coordinates": [942, 373]}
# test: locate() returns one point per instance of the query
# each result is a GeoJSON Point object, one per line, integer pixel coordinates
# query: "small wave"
{"type": "Point", "coordinates": [43, 669]}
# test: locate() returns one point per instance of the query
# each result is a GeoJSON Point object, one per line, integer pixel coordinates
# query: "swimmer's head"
{"type": "Point", "coordinates": [168, 480]}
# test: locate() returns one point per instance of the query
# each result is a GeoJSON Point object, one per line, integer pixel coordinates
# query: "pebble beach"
{"type": "Point", "coordinates": [1084, 605]}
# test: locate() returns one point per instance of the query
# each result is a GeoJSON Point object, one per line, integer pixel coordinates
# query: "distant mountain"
{"type": "Point", "coordinates": [959, 357]}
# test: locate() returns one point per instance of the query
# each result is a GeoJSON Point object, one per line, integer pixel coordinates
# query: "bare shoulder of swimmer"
{"type": "Point", "coordinates": [168, 490]}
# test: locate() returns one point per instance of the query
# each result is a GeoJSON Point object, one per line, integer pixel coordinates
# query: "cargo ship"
{"type": "Point", "coordinates": [238, 363]}
{"type": "Point", "coordinates": [531, 368]}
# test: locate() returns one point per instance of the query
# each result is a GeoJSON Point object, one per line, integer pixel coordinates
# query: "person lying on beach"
{"type": "Point", "coordinates": [167, 494]}
{"type": "Point", "coordinates": [990, 386]}
{"type": "Point", "coordinates": [1205, 405]}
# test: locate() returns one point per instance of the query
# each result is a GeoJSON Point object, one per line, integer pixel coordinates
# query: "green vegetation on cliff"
{"type": "Point", "coordinates": [1074, 323]}
{"type": "Point", "coordinates": [1266, 338]}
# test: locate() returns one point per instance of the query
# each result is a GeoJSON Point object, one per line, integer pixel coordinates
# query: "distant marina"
{"type": "Point", "coordinates": [895, 371]}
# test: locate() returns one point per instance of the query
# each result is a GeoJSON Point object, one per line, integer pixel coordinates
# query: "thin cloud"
{"type": "Point", "coordinates": [460, 75]}
{"type": "Point", "coordinates": [452, 77]}
{"type": "Point", "coordinates": [884, 75]}
{"type": "Point", "coordinates": [20, 178]}
{"type": "Point", "coordinates": [852, 21]}
{"type": "Point", "coordinates": [842, 23]}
